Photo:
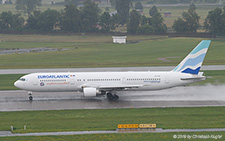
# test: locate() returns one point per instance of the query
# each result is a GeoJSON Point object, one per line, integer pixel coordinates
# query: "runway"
{"type": "Point", "coordinates": [157, 130]}
{"type": "Point", "coordinates": [192, 96]}
{"type": "Point", "coordinates": [157, 68]}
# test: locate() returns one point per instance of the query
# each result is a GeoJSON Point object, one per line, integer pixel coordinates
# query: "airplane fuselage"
{"type": "Point", "coordinates": [52, 82]}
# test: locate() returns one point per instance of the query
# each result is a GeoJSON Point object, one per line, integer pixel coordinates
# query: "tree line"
{"type": "Point", "coordinates": [71, 19]}
{"type": "Point", "coordinates": [90, 18]}
{"type": "Point", "coordinates": [181, 1]}
{"type": "Point", "coordinates": [87, 18]}
{"type": "Point", "coordinates": [189, 23]}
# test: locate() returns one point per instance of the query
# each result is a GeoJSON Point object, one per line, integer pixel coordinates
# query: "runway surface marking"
{"type": "Point", "coordinates": [158, 130]}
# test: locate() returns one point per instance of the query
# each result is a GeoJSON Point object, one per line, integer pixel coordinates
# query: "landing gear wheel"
{"type": "Point", "coordinates": [109, 96]}
{"type": "Point", "coordinates": [30, 98]}
{"type": "Point", "coordinates": [116, 97]}
{"type": "Point", "coordinates": [112, 97]}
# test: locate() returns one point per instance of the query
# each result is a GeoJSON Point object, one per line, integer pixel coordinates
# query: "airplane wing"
{"type": "Point", "coordinates": [113, 87]}
{"type": "Point", "coordinates": [120, 87]}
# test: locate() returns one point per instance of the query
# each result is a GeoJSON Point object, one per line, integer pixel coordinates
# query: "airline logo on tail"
{"type": "Point", "coordinates": [193, 62]}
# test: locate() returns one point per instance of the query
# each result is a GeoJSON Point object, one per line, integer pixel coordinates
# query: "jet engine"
{"type": "Point", "coordinates": [90, 92]}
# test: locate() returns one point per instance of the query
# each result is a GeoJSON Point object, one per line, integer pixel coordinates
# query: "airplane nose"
{"type": "Point", "coordinates": [18, 84]}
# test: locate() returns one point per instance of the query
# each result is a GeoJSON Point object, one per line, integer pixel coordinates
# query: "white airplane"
{"type": "Point", "coordinates": [108, 83]}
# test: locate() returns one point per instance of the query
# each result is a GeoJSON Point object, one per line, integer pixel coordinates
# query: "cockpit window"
{"type": "Point", "coordinates": [22, 79]}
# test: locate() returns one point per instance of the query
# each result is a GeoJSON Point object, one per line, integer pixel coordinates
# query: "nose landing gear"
{"type": "Point", "coordinates": [30, 96]}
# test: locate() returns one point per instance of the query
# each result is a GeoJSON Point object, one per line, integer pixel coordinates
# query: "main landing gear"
{"type": "Point", "coordinates": [30, 96]}
{"type": "Point", "coordinates": [112, 97]}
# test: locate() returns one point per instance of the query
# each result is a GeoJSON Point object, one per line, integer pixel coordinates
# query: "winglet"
{"type": "Point", "coordinates": [193, 62]}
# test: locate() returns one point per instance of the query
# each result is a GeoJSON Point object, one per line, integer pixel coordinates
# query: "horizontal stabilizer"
{"type": "Point", "coordinates": [193, 78]}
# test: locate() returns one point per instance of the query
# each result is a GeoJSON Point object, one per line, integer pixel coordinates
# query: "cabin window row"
{"type": "Point", "coordinates": [143, 79]}
{"type": "Point", "coordinates": [103, 79]}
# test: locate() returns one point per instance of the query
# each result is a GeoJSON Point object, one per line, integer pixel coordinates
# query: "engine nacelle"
{"type": "Point", "coordinates": [90, 92]}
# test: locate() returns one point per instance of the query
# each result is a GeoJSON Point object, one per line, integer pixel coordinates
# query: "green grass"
{"type": "Point", "coordinates": [73, 38]}
{"type": "Point", "coordinates": [214, 78]}
{"type": "Point", "coordinates": [89, 120]}
{"type": "Point", "coordinates": [48, 1]}
{"type": "Point", "coordinates": [98, 51]}
{"type": "Point", "coordinates": [6, 8]}
{"type": "Point", "coordinates": [7, 81]}
{"type": "Point", "coordinates": [122, 136]}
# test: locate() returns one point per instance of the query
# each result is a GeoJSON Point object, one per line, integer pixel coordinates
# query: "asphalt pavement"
{"type": "Point", "coordinates": [159, 68]}
{"type": "Point", "coordinates": [191, 96]}
{"type": "Point", "coordinates": [157, 130]}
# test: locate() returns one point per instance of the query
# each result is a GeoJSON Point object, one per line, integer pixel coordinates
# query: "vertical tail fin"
{"type": "Point", "coordinates": [193, 62]}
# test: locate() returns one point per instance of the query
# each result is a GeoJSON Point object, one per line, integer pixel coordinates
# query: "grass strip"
{"type": "Point", "coordinates": [107, 119]}
{"type": "Point", "coordinates": [128, 136]}
{"type": "Point", "coordinates": [100, 52]}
